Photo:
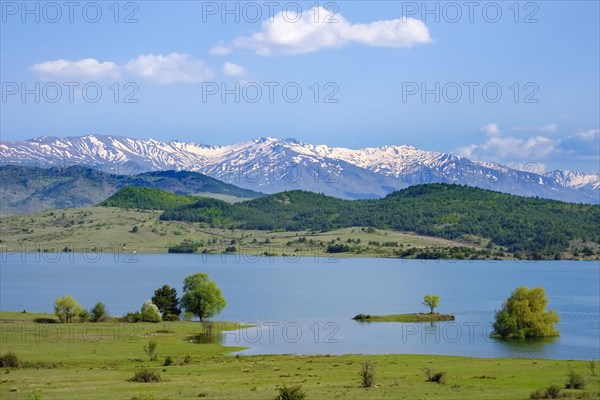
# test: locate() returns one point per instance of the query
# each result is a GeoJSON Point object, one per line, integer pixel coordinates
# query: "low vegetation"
{"type": "Point", "coordinates": [367, 374]}
{"type": "Point", "coordinates": [146, 375]}
{"type": "Point", "coordinates": [432, 375]}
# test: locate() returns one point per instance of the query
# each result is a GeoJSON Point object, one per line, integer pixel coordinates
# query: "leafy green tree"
{"type": "Point", "coordinates": [431, 301]}
{"type": "Point", "coordinates": [166, 300]}
{"type": "Point", "coordinates": [524, 315]}
{"type": "Point", "coordinates": [66, 308]}
{"type": "Point", "coordinates": [202, 297]}
{"type": "Point", "coordinates": [99, 313]}
{"type": "Point", "coordinates": [149, 312]}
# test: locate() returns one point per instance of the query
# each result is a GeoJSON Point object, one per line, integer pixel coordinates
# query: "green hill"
{"type": "Point", "coordinates": [535, 227]}
{"type": "Point", "coordinates": [147, 199]}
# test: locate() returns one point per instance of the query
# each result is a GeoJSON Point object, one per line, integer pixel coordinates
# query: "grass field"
{"type": "Point", "coordinates": [95, 361]}
{"type": "Point", "coordinates": [110, 230]}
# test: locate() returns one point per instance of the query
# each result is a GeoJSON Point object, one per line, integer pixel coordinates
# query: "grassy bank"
{"type": "Point", "coordinates": [111, 229]}
{"type": "Point", "coordinates": [414, 317]}
{"type": "Point", "coordinates": [95, 361]}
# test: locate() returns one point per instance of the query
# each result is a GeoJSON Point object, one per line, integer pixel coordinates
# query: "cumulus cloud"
{"type": "Point", "coordinates": [220, 50]}
{"type": "Point", "coordinates": [292, 34]}
{"type": "Point", "coordinates": [231, 69]}
{"type": "Point", "coordinates": [491, 129]}
{"type": "Point", "coordinates": [537, 148]}
{"type": "Point", "coordinates": [172, 68]}
{"type": "Point", "coordinates": [88, 68]}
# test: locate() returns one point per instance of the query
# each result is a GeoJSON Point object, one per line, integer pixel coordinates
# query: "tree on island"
{"type": "Point", "coordinates": [201, 296]}
{"type": "Point", "coordinates": [167, 302]}
{"type": "Point", "coordinates": [431, 301]}
{"type": "Point", "coordinates": [524, 315]}
{"type": "Point", "coordinates": [66, 308]}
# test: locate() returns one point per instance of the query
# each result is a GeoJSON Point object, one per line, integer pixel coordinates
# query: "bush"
{"type": "Point", "coordinates": [291, 393]}
{"type": "Point", "coordinates": [131, 317]}
{"type": "Point", "coordinates": [574, 380]}
{"type": "Point", "coordinates": [151, 350]}
{"type": "Point", "coordinates": [435, 376]}
{"type": "Point", "coordinates": [168, 361]}
{"type": "Point", "coordinates": [150, 312]}
{"type": "Point", "coordinates": [361, 317]}
{"type": "Point", "coordinates": [99, 313]}
{"type": "Point", "coordinates": [146, 375]}
{"type": "Point", "coordinates": [171, 317]}
{"type": "Point", "coordinates": [10, 360]}
{"type": "Point", "coordinates": [367, 374]}
{"type": "Point", "coordinates": [551, 392]}
{"type": "Point", "coordinates": [83, 315]}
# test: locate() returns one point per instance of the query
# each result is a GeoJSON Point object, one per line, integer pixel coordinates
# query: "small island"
{"type": "Point", "coordinates": [430, 301]}
{"type": "Point", "coordinates": [414, 317]}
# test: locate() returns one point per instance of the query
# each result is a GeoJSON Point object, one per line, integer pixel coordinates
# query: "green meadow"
{"type": "Point", "coordinates": [97, 360]}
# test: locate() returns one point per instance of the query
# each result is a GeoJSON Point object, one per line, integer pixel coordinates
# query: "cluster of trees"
{"type": "Point", "coordinates": [202, 298]}
{"type": "Point", "coordinates": [534, 227]}
{"type": "Point", "coordinates": [66, 308]}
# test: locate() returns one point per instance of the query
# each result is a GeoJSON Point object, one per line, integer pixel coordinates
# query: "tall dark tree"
{"type": "Point", "coordinates": [165, 298]}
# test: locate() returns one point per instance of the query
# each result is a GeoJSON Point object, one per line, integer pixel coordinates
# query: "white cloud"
{"type": "Point", "coordinates": [88, 68]}
{"type": "Point", "coordinates": [174, 68]}
{"type": "Point", "coordinates": [549, 128]}
{"type": "Point", "coordinates": [220, 50]}
{"type": "Point", "coordinates": [534, 149]}
{"type": "Point", "coordinates": [491, 129]}
{"type": "Point", "coordinates": [289, 34]}
{"type": "Point", "coordinates": [232, 69]}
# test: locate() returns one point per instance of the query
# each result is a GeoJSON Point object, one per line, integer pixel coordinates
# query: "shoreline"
{"type": "Point", "coordinates": [318, 255]}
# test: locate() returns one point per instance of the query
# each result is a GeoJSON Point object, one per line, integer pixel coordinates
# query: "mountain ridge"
{"type": "Point", "coordinates": [272, 165]}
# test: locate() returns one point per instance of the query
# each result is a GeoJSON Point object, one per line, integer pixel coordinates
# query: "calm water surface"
{"type": "Point", "coordinates": [305, 305]}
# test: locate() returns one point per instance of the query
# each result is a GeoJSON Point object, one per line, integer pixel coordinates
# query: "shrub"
{"type": "Point", "coordinates": [145, 375]}
{"type": "Point", "coordinates": [361, 317]}
{"type": "Point", "coordinates": [168, 361]}
{"type": "Point", "coordinates": [151, 350]}
{"type": "Point", "coordinates": [83, 315]}
{"type": "Point", "coordinates": [149, 312]}
{"type": "Point", "coordinates": [291, 393]}
{"type": "Point", "coordinates": [574, 380]}
{"type": "Point", "coordinates": [367, 374]}
{"type": "Point", "coordinates": [99, 313]}
{"type": "Point", "coordinates": [171, 317]}
{"type": "Point", "coordinates": [551, 392]}
{"type": "Point", "coordinates": [187, 359]}
{"type": "Point", "coordinates": [10, 360]}
{"type": "Point", "coordinates": [435, 376]}
{"type": "Point", "coordinates": [131, 317]}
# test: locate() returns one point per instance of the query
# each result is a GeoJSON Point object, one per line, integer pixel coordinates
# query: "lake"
{"type": "Point", "coordinates": [305, 305]}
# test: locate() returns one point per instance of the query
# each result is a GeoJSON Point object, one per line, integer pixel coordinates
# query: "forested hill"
{"type": "Point", "coordinates": [534, 226]}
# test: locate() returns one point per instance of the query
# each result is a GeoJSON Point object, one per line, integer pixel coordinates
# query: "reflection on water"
{"type": "Point", "coordinates": [208, 335]}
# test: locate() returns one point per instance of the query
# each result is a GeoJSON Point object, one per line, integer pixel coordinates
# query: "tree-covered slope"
{"type": "Point", "coordinates": [147, 199]}
{"type": "Point", "coordinates": [537, 227]}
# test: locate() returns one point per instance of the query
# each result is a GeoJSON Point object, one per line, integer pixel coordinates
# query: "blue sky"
{"type": "Point", "coordinates": [368, 76]}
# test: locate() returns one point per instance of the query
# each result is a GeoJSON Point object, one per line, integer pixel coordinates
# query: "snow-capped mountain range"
{"type": "Point", "coordinates": [271, 165]}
